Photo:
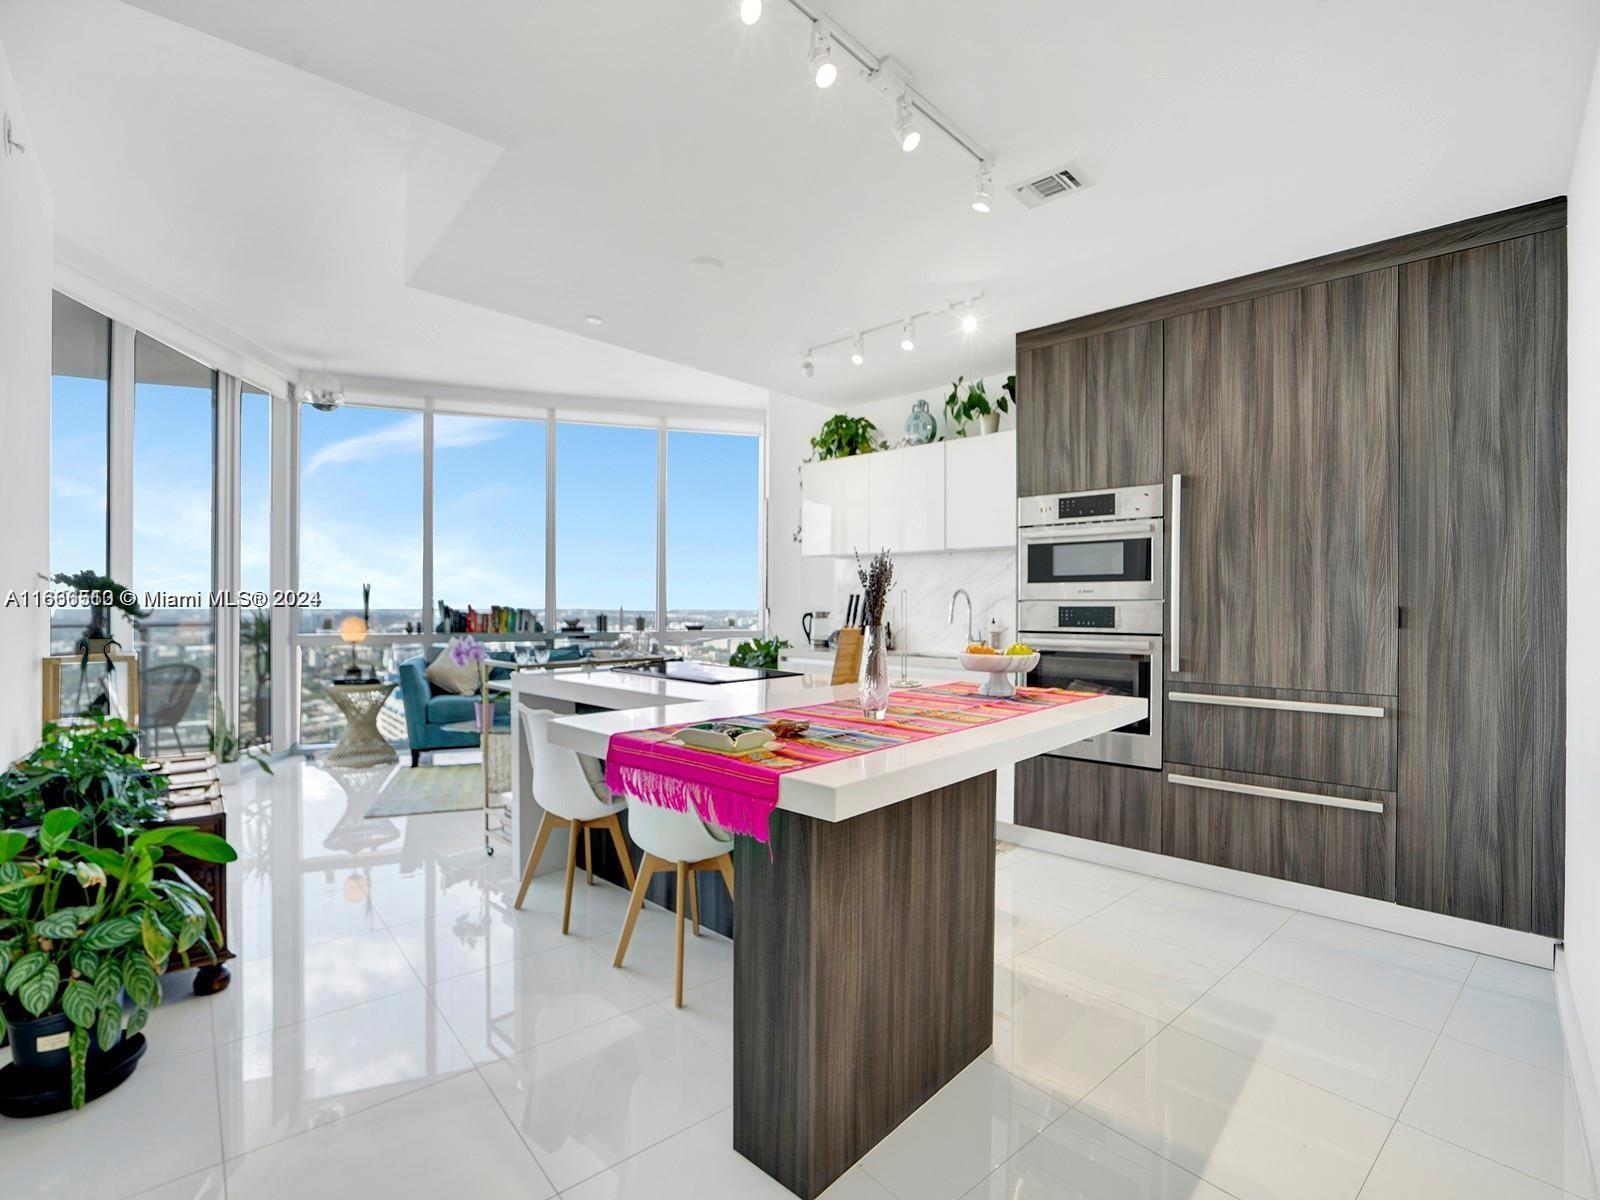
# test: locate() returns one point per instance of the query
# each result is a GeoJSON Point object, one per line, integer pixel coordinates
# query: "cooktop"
{"type": "Point", "coordinates": [697, 672]}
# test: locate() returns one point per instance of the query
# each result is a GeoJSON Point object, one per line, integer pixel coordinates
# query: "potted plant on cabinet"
{"type": "Point", "coordinates": [108, 594]}
{"type": "Point", "coordinates": [88, 765]}
{"type": "Point", "coordinates": [80, 926]}
{"type": "Point", "coordinates": [844, 436]}
{"type": "Point", "coordinates": [959, 409]}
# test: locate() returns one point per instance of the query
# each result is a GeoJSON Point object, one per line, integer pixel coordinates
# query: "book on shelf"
{"type": "Point", "coordinates": [498, 619]}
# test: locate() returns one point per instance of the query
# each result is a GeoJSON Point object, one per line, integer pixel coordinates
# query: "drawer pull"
{"type": "Point", "coordinates": [1250, 789]}
{"type": "Point", "coordinates": [1309, 706]}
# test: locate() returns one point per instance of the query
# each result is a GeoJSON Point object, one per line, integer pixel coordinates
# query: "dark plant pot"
{"type": "Point", "coordinates": [41, 1045]}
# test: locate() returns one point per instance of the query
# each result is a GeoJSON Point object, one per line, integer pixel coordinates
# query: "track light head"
{"type": "Point", "coordinates": [808, 367]}
{"type": "Point", "coordinates": [969, 318]}
{"type": "Point", "coordinates": [823, 68]}
{"type": "Point", "coordinates": [983, 197]}
{"type": "Point", "coordinates": [749, 11]}
{"type": "Point", "coordinates": [905, 126]}
{"type": "Point", "coordinates": [908, 336]}
{"type": "Point", "coordinates": [858, 353]}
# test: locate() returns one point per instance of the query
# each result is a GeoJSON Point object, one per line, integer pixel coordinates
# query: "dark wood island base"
{"type": "Point", "coordinates": [863, 976]}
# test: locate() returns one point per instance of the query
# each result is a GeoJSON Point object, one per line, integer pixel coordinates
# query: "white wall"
{"type": "Point", "coordinates": [1582, 923]}
{"type": "Point", "coordinates": [25, 252]}
{"type": "Point", "coordinates": [796, 585]}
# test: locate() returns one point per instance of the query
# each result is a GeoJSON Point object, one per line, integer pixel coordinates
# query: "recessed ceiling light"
{"type": "Point", "coordinates": [908, 336]}
{"type": "Point", "coordinates": [905, 126]}
{"type": "Point", "coordinates": [749, 11]}
{"type": "Point", "coordinates": [594, 319]}
{"type": "Point", "coordinates": [823, 69]}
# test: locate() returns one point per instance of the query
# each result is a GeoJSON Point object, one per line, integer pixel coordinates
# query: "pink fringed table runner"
{"type": "Point", "coordinates": [739, 791]}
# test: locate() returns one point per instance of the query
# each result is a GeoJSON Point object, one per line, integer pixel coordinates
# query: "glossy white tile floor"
{"type": "Point", "coordinates": [395, 1029]}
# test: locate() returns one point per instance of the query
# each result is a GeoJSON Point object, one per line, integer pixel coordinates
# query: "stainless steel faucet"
{"type": "Point", "coordinates": [960, 594]}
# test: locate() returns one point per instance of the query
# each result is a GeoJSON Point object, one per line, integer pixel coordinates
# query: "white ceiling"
{"type": "Point", "coordinates": [436, 191]}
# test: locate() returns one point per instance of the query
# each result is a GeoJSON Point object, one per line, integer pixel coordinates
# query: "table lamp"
{"type": "Point", "coordinates": [353, 630]}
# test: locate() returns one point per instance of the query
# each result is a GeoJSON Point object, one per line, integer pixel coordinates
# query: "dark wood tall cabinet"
{"type": "Point", "coordinates": [1280, 424]}
{"type": "Point", "coordinates": [1482, 650]}
{"type": "Point", "coordinates": [1089, 412]}
{"type": "Point", "coordinates": [1370, 584]}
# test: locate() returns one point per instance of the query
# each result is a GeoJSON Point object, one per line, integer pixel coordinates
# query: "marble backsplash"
{"type": "Point", "coordinates": [927, 581]}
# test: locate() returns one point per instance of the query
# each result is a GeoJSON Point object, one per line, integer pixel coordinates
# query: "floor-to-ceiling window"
{"type": "Point", "coordinates": [80, 375]}
{"type": "Point", "coordinates": [713, 551]}
{"type": "Point", "coordinates": [174, 424]}
{"type": "Point", "coordinates": [255, 564]}
{"type": "Point", "coordinates": [360, 523]}
{"type": "Point", "coordinates": [605, 522]}
{"type": "Point", "coordinates": [489, 519]}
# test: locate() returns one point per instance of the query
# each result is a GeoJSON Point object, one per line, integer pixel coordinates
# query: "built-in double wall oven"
{"type": "Point", "coordinates": [1089, 599]}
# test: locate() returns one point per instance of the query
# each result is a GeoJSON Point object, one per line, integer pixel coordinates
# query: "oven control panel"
{"type": "Point", "coordinates": [1123, 616]}
{"type": "Point", "coordinates": [1112, 504]}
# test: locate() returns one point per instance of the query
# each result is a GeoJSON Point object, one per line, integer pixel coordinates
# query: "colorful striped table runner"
{"type": "Point", "coordinates": [739, 791]}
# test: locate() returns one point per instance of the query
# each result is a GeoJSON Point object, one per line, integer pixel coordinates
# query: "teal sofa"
{"type": "Point", "coordinates": [428, 711]}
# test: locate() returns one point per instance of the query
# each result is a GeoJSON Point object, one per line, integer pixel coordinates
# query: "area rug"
{"type": "Point", "coordinates": [415, 790]}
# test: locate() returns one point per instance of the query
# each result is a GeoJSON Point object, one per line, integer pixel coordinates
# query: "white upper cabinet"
{"type": "Point", "coordinates": [955, 495]}
{"type": "Point", "coordinates": [980, 491]}
{"type": "Point", "coordinates": [906, 509]}
{"type": "Point", "coordinates": [833, 506]}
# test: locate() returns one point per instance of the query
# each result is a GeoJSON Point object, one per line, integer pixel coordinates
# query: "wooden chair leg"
{"type": "Point", "coordinates": [546, 824]}
{"type": "Point", "coordinates": [677, 979]}
{"type": "Point", "coordinates": [647, 868]}
{"type": "Point", "coordinates": [588, 857]}
{"type": "Point", "coordinates": [573, 828]}
{"type": "Point", "coordinates": [725, 865]}
{"type": "Point", "coordinates": [694, 900]}
{"type": "Point", "coordinates": [621, 843]}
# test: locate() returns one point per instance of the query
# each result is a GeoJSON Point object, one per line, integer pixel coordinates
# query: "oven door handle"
{"type": "Point", "coordinates": [1121, 532]}
{"type": "Point", "coordinates": [1115, 645]}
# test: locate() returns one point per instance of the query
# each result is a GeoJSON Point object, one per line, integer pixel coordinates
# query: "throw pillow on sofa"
{"type": "Point", "coordinates": [446, 675]}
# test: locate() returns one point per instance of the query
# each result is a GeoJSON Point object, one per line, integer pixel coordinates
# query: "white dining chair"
{"type": "Point", "coordinates": [569, 797]}
{"type": "Point", "coordinates": [673, 840]}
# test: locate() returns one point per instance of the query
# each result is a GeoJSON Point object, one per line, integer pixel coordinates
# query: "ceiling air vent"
{"type": "Point", "coordinates": [1047, 187]}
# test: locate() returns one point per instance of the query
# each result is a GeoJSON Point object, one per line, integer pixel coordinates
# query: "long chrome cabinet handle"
{"type": "Point", "coordinates": [1307, 706]}
{"type": "Point", "coordinates": [1176, 569]}
{"type": "Point", "coordinates": [1272, 793]}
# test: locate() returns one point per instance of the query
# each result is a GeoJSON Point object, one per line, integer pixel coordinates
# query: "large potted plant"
{"type": "Point", "coordinates": [106, 594]}
{"type": "Point", "coordinates": [89, 765]}
{"type": "Point", "coordinates": [80, 926]}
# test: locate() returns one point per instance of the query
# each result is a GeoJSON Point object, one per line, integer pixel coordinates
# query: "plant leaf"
{"type": "Point", "coordinates": [90, 874]}
{"type": "Point", "coordinates": [108, 1032]}
{"type": "Point", "coordinates": [109, 985]}
{"type": "Point", "coordinates": [38, 991]}
{"type": "Point", "coordinates": [108, 935]}
{"type": "Point", "coordinates": [78, 1049]}
{"type": "Point", "coordinates": [11, 843]}
{"type": "Point", "coordinates": [59, 925]}
{"type": "Point", "coordinates": [85, 961]}
{"type": "Point", "coordinates": [80, 1003]}
{"type": "Point", "coordinates": [157, 937]}
{"type": "Point", "coordinates": [25, 968]}
{"type": "Point", "coordinates": [56, 827]}
{"type": "Point", "coordinates": [139, 977]}
{"type": "Point", "coordinates": [136, 1022]}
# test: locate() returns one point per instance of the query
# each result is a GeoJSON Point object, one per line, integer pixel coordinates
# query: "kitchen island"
{"type": "Point", "coordinates": [864, 947]}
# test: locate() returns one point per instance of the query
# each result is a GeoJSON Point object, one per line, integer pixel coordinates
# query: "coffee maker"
{"type": "Point", "coordinates": [818, 628]}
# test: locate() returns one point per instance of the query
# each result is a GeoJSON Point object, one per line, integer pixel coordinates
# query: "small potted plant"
{"type": "Point", "coordinates": [468, 649]}
{"type": "Point", "coordinates": [90, 766]}
{"type": "Point", "coordinates": [223, 741]}
{"type": "Point", "coordinates": [759, 652]}
{"type": "Point", "coordinates": [80, 926]}
{"type": "Point", "coordinates": [108, 594]}
{"type": "Point", "coordinates": [975, 404]}
{"type": "Point", "coordinates": [844, 436]}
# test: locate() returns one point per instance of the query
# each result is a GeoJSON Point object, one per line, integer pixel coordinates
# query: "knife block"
{"type": "Point", "coordinates": [847, 656]}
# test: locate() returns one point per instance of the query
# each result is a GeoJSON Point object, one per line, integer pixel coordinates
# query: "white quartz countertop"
{"type": "Point", "coordinates": [833, 791]}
